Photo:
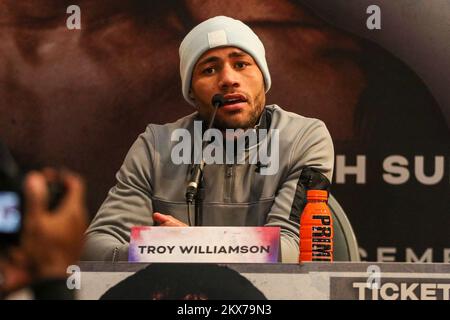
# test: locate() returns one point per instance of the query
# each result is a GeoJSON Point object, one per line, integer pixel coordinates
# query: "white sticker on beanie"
{"type": "Point", "coordinates": [217, 38]}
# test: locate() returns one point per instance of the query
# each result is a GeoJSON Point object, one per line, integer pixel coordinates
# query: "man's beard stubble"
{"type": "Point", "coordinates": [255, 114]}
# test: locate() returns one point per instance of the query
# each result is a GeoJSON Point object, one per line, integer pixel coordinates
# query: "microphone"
{"type": "Point", "coordinates": [217, 101]}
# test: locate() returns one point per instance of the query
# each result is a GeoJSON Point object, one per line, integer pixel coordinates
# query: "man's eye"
{"type": "Point", "coordinates": [241, 65]}
{"type": "Point", "coordinates": [209, 71]}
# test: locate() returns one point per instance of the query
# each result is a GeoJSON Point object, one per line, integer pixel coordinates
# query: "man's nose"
{"type": "Point", "coordinates": [229, 78]}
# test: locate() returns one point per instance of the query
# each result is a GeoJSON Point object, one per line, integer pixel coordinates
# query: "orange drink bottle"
{"type": "Point", "coordinates": [316, 228]}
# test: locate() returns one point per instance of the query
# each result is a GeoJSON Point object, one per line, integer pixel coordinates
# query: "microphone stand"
{"type": "Point", "coordinates": [195, 190]}
{"type": "Point", "coordinates": [199, 203]}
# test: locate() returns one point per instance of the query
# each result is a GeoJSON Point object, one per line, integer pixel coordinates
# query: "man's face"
{"type": "Point", "coordinates": [233, 73]}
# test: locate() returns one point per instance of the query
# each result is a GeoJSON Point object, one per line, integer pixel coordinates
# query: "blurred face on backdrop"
{"type": "Point", "coordinates": [235, 74]}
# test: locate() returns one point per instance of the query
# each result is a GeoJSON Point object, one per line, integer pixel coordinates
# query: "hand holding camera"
{"type": "Point", "coordinates": [46, 234]}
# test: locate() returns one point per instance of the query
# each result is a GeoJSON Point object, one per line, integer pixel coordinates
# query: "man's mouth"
{"type": "Point", "coordinates": [234, 100]}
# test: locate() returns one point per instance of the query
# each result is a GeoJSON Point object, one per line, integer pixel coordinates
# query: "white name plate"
{"type": "Point", "coordinates": [204, 244]}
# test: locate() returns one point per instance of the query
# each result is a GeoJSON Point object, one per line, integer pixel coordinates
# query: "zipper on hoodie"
{"type": "Point", "coordinates": [114, 256]}
{"type": "Point", "coordinates": [228, 182]}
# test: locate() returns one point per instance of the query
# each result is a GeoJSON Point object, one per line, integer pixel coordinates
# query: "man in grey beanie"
{"type": "Point", "coordinates": [220, 55]}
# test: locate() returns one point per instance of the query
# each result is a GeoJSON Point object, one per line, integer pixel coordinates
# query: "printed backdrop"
{"type": "Point", "coordinates": [79, 98]}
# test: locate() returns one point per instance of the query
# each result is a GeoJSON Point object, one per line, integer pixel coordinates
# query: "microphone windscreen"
{"type": "Point", "coordinates": [218, 100]}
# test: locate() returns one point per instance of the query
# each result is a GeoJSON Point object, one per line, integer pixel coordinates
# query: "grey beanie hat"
{"type": "Point", "coordinates": [219, 31]}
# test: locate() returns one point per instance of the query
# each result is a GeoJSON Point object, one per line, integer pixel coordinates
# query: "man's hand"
{"type": "Point", "coordinates": [165, 220]}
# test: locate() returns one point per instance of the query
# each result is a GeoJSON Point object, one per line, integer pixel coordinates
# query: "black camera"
{"type": "Point", "coordinates": [12, 198]}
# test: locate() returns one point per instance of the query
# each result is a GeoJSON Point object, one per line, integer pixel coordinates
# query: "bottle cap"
{"type": "Point", "coordinates": [317, 195]}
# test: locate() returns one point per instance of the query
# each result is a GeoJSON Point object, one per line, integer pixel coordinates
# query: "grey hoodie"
{"type": "Point", "coordinates": [236, 194]}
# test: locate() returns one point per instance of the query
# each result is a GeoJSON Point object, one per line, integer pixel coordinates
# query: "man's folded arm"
{"type": "Point", "coordinates": [310, 166]}
{"type": "Point", "coordinates": [128, 204]}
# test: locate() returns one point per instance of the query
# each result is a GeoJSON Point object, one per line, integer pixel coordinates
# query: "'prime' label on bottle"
{"type": "Point", "coordinates": [322, 246]}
